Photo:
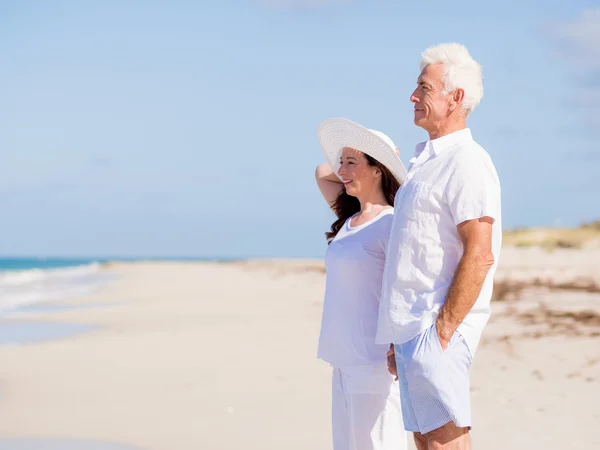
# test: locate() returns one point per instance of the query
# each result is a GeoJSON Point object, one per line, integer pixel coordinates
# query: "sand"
{"type": "Point", "coordinates": [222, 356]}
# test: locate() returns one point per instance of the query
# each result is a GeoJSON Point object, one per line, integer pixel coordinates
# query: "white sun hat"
{"type": "Point", "coordinates": [337, 133]}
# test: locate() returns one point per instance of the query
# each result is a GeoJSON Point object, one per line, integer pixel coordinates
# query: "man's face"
{"type": "Point", "coordinates": [431, 104]}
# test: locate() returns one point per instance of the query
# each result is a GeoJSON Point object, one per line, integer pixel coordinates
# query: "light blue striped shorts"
{"type": "Point", "coordinates": [434, 383]}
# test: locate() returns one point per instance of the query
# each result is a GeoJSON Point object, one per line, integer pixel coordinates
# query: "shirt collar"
{"type": "Point", "coordinates": [445, 142]}
{"type": "Point", "coordinates": [420, 148]}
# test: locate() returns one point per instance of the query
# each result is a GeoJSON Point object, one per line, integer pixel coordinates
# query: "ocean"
{"type": "Point", "coordinates": [30, 281]}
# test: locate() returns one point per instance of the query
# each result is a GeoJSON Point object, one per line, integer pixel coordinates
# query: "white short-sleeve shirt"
{"type": "Point", "coordinates": [354, 263]}
{"type": "Point", "coordinates": [450, 179]}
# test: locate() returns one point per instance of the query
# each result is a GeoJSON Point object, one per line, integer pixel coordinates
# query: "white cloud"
{"type": "Point", "coordinates": [579, 39]}
{"type": "Point", "coordinates": [590, 97]}
{"type": "Point", "coordinates": [578, 42]}
{"type": "Point", "coordinates": [302, 4]}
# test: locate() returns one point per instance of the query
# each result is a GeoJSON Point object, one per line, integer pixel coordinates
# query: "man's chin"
{"type": "Point", "coordinates": [420, 122]}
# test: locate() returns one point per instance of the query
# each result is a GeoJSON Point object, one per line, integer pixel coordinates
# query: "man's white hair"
{"type": "Point", "coordinates": [461, 71]}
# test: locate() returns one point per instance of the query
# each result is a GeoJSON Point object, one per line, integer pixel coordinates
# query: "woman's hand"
{"type": "Point", "coordinates": [391, 362]}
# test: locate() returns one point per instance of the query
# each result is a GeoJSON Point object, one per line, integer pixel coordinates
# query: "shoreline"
{"type": "Point", "coordinates": [20, 443]}
{"type": "Point", "coordinates": [223, 355]}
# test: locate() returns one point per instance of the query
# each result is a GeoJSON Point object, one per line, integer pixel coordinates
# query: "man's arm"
{"type": "Point", "coordinates": [477, 259]}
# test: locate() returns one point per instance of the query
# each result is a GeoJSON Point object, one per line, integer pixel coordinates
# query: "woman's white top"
{"type": "Point", "coordinates": [354, 264]}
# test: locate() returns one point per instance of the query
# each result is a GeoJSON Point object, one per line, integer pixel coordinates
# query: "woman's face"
{"type": "Point", "coordinates": [358, 176]}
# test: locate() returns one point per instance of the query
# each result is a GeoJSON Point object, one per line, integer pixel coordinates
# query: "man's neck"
{"type": "Point", "coordinates": [447, 129]}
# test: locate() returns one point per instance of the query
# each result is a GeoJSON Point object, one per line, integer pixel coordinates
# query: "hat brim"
{"type": "Point", "coordinates": [338, 133]}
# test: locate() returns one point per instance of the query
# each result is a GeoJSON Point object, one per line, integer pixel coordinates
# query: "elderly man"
{"type": "Point", "coordinates": [442, 253]}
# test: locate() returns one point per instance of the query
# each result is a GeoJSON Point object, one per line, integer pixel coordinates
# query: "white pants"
{"type": "Point", "coordinates": [366, 413]}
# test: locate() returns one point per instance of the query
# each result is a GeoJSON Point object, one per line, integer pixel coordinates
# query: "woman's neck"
{"type": "Point", "coordinates": [371, 203]}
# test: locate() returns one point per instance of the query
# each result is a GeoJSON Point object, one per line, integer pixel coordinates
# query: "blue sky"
{"type": "Point", "coordinates": [189, 128]}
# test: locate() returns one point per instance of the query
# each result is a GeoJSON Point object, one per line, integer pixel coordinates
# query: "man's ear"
{"type": "Point", "coordinates": [457, 97]}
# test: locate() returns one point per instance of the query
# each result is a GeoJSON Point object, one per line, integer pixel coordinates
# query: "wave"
{"type": "Point", "coordinates": [30, 276]}
{"type": "Point", "coordinates": [25, 287]}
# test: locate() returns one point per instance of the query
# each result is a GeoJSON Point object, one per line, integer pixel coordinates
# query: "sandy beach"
{"type": "Point", "coordinates": [215, 356]}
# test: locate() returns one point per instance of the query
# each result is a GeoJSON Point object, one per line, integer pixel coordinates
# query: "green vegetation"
{"type": "Point", "coordinates": [551, 238]}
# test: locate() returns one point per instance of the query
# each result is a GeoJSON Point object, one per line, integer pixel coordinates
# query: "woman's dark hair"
{"type": "Point", "coordinates": [346, 206]}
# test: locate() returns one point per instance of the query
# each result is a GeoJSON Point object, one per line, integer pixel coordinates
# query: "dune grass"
{"type": "Point", "coordinates": [587, 235]}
